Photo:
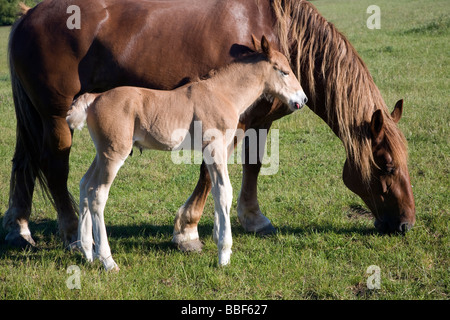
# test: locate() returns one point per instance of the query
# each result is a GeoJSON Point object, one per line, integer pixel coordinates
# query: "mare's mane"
{"type": "Point", "coordinates": [332, 67]}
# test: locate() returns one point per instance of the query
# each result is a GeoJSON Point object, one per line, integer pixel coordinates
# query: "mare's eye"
{"type": "Point", "coordinates": [390, 169]}
{"type": "Point", "coordinates": [284, 73]}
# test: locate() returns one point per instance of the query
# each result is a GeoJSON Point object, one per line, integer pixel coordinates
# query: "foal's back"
{"type": "Point", "coordinates": [122, 116]}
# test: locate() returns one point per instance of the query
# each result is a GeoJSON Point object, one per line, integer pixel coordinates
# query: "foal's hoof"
{"type": "Point", "coordinates": [266, 231]}
{"type": "Point", "coordinates": [110, 265]}
{"type": "Point", "coordinates": [20, 241]}
{"type": "Point", "coordinates": [224, 257]}
{"type": "Point", "coordinates": [190, 246]}
{"type": "Point", "coordinates": [114, 269]}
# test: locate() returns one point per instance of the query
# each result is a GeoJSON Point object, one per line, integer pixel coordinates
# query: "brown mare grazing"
{"type": "Point", "coordinates": [165, 120]}
{"type": "Point", "coordinates": [143, 43]}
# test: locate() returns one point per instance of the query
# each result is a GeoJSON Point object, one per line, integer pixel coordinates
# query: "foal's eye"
{"type": "Point", "coordinates": [284, 73]}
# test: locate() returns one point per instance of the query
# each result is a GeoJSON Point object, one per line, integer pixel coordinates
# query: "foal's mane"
{"type": "Point", "coordinates": [332, 68]}
{"type": "Point", "coordinates": [249, 57]}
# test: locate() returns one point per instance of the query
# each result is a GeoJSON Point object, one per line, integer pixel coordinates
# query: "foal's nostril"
{"type": "Point", "coordinates": [305, 100]}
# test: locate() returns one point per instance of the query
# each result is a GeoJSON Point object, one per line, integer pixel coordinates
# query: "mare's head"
{"type": "Point", "coordinates": [280, 81]}
{"type": "Point", "coordinates": [388, 192]}
{"type": "Point", "coordinates": [342, 92]}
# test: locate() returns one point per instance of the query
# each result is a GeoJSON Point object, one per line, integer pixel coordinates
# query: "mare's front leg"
{"type": "Point", "coordinates": [55, 166]}
{"type": "Point", "coordinates": [249, 213]}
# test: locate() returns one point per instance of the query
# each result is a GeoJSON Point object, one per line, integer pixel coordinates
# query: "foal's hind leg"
{"type": "Point", "coordinates": [97, 190]}
{"type": "Point", "coordinates": [85, 240]}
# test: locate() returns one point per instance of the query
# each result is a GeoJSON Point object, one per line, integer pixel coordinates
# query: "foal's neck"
{"type": "Point", "coordinates": [241, 83]}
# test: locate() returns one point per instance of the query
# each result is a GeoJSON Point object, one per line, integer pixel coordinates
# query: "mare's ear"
{"type": "Point", "coordinates": [256, 43]}
{"type": "Point", "coordinates": [376, 124]}
{"type": "Point", "coordinates": [265, 46]}
{"type": "Point", "coordinates": [397, 112]}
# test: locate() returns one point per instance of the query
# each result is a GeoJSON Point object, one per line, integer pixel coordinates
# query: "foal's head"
{"type": "Point", "coordinates": [280, 81]}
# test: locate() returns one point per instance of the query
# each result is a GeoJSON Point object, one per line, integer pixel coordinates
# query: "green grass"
{"type": "Point", "coordinates": [324, 245]}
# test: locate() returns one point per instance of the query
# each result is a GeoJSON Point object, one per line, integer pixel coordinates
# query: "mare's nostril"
{"type": "Point", "coordinates": [404, 227]}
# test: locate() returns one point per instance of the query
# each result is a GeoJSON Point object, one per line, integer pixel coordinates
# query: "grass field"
{"type": "Point", "coordinates": [323, 246]}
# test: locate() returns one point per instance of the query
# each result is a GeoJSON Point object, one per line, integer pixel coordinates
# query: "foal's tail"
{"type": "Point", "coordinates": [23, 9]}
{"type": "Point", "coordinates": [76, 116]}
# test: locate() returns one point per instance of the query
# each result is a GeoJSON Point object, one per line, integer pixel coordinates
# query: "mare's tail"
{"type": "Point", "coordinates": [29, 131]}
{"type": "Point", "coordinates": [76, 116]}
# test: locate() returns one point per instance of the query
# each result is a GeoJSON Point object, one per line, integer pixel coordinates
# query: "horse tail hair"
{"type": "Point", "coordinates": [77, 114]}
{"type": "Point", "coordinates": [29, 132]}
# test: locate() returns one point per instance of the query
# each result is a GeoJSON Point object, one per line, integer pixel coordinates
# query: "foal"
{"type": "Point", "coordinates": [127, 116]}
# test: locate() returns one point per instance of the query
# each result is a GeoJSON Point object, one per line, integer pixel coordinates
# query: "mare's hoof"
{"type": "Point", "coordinates": [267, 230]}
{"type": "Point", "coordinates": [190, 246]}
{"type": "Point", "coordinates": [73, 247]}
{"type": "Point", "coordinates": [20, 241]}
{"type": "Point", "coordinates": [73, 244]}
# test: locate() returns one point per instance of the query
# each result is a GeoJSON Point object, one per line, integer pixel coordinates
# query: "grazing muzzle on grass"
{"type": "Point", "coordinates": [388, 193]}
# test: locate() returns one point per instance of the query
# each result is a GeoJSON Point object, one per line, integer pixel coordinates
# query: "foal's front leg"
{"type": "Point", "coordinates": [185, 233]}
{"type": "Point", "coordinates": [223, 194]}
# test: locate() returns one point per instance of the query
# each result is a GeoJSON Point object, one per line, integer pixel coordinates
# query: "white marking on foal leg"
{"type": "Point", "coordinates": [85, 229]}
{"type": "Point", "coordinates": [85, 239]}
{"type": "Point", "coordinates": [223, 194]}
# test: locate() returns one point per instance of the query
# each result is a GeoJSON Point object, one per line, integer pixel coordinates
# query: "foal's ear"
{"type": "Point", "coordinates": [397, 112]}
{"type": "Point", "coordinates": [376, 124]}
{"type": "Point", "coordinates": [256, 43]}
{"type": "Point", "coordinates": [265, 46]}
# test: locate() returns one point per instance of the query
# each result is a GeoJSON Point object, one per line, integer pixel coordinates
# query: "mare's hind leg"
{"type": "Point", "coordinates": [22, 184]}
{"type": "Point", "coordinates": [17, 216]}
{"type": "Point", "coordinates": [55, 165]}
{"type": "Point", "coordinates": [185, 234]}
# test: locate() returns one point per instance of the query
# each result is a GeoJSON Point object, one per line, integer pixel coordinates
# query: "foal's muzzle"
{"type": "Point", "coordinates": [298, 101]}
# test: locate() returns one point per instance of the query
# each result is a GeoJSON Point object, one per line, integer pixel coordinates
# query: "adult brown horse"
{"type": "Point", "coordinates": [143, 43]}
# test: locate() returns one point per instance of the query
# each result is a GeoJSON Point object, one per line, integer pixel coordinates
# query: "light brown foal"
{"type": "Point", "coordinates": [164, 120]}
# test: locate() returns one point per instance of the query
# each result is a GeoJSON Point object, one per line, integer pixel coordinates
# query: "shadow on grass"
{"type": "Point", "coordinates": [158, 237]}
{"type": "Point", "coordinates": [328, 228]}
